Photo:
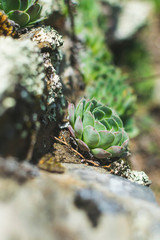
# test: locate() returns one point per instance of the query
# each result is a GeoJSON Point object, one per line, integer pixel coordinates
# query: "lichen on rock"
{"type": "Point", "coordinates": [21, 66]}
{"type": "Point", "coordinates": [122, 168]}
{"type": "Point", "coordinates": [48, 37]}
{"type": "Point", "coordinates": [49, 42]}
{"type": "Point", "coordinates": [30, 93]}
{"type": "Point", "coordinates": [22, 85]}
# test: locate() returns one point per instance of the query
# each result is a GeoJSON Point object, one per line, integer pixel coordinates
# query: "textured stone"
{"type": "Point", "coordinates": [134, 15]}
{"type": "Point", "coordinates": [83, 203]}
{"type": "Point", "coordinates": [21, 88]}
{"type": "Point", "coordinates": [21, 64]}
{"type": "Point", "coordinates": [30, 94]}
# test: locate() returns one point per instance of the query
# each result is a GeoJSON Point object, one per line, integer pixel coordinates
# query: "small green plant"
{"type": "Point", "coordinates": [97, 129]}
{"type": "Point", "coordinates": [96, 54]}
{"type": "Point", "coordinates": [22, 12]}
{"type": "Point", "coordinates": [110, 89]}
{"type": "Point", "coordinates": [105, 82]}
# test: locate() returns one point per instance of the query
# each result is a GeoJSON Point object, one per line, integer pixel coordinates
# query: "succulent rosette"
{"type": "Point", "coordinates": [110, 88]}
{"type": "Point", "coordinates": [22, 12]}
{"type": "Point", "coordinates": [97, 129]}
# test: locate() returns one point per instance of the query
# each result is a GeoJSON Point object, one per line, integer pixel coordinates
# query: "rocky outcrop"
{"type": "Point", "coordinates": [83, 203]}
{"type": "Point", "coordinates": [30, 92]}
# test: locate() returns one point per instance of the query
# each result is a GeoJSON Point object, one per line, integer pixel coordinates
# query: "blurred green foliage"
{"type": "Point", "coordinates": [133, 57]}
{"type": "Point", "coordinates": [95, 55]}
{"type": "Point", "coordinates": [156, 5]}
{"type": "Point", "coordinates": [111, 89]}
{"type": "Point", "coordinates": [104, 81]}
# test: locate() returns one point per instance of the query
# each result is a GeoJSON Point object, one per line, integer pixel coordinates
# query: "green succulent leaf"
{"type": "Point", "coordinates": [125, 139]}
{"type": "Point", "coordinates": [82, 145]}
{"type": "Point", "coordinates": [24, 4]}
{"type": "Point", "coordinates": [30, 2]}
{"type": "Point", "coordinates": [115, 151]}
{"type": "Point", "coordinates": [37, 21]}
{"type": "Point", "coordinates": [101, 153]}
{"type": "Point", "coordinates": [9, 5]}
{"type": "Point", "coordinates": [88, 119]}
{"type": "Point", "coordinates": [97, 129]}
{"type": "Point", "coordinates": [118, 138]}
{"type": "Point", "coordinates": [72, 132]}
{"type": "Point", "coordinates": [118, 120]}
{"type": "Point", "coordinates": [79, 109]}
{"type": "Point", "coordinates": [78, 127]}
{"type": "Point", "coordinates": [106, 139]}
{"type": "Point", "coordinates": [89, 106]}
{"type": "Point", "coordinates": [113, 124]}
{"type": "Point", "coordinates": [98, 114]}
{"type": "Point", "coordinates": [94, 103]}
{"type": "Point", "coordinates": [105, 123]}
{"type": "Point", "coordinates": [19, 17]}
{"type": "Point", "coordinates": [107, 111]}
{"type": "Point", "coordinates": [87, 103]}
{"type": "Point", "coordinates": [22, 12]}
{"type": "Point", "coordinates": [99, 126]}
{"type": "Point", "coordinates": [90, 136]}
{"type": "Point", "coordinates": [34, 12]}
{"type": "Point", "coordinates": [71, 113]}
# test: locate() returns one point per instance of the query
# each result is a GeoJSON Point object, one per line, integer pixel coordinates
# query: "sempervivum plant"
{"type": "Point", "coordinates": [97, 129]}
{"type": "Point", "coordinates": [111, 89]}
{"type": "Point", "coordinates": [22, 12]}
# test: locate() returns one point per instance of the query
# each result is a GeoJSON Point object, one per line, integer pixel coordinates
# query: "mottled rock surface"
{"type": "Point", "coordinates": [31, 99]}
{"type": "Point", "coordinates": [125, 18]}
{"type": "Point", "coordinates": [134, 16]}
{"type": "Point", "coordinates": [83, 203]}
{"type": "Point", "coordinates": [21, 88]}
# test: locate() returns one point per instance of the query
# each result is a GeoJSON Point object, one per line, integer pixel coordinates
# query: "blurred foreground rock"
{"type": "Point", "coordinates": [125, 18]}
{"type": "Point", "coordinates": [30, 93]}
{"type": "Point", "coordinates": [134, 16]}
{"type": "Point", "coordinates": [83, 203]}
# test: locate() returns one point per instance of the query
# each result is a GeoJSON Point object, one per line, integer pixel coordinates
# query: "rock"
{"type": "Point", "coordinates": [30, 94]}
{"type": "Point", "coordinates": [134, 15]}
{"type": "Point", "coordinates": [19, 171]}
{"type": "Point", "coordinates": [123, 169]}
{"type": "Point", "coordinates": [83, 203]}
{"type": "Point", "coordinates": [22, 85]}
{"type": "Point", "coordinates": [125, 18]}
{"type": "Point", "coordinates": [58, 17]}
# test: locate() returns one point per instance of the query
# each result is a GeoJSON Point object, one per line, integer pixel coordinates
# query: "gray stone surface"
{"type": "Point", "coordinates": [127, 18]}
{"type": "Point", "coordinates": [31, 99]}
{"type": "Point", "coordinates": [134, 15]}
{"type": "Point", "coordinates": [83, 203]}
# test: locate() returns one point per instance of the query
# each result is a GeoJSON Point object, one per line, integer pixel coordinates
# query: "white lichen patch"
{"type": "Point", "coordinates": [49, 42]}
{"type": "Point", "coordinates": [134, 15]}
{"type": "Point", "coordinates": [48, 37]}
{"type": "Point", "coordinates": [21, 66]}
{"type": "Point", "coordinates": [140, 178]}
{"type": "Point", "coordinates": [8, 102]}
{"type": "Point", "coordinates": [54, 85]}
{"type": "Point", "coordinates": [122, 168]}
